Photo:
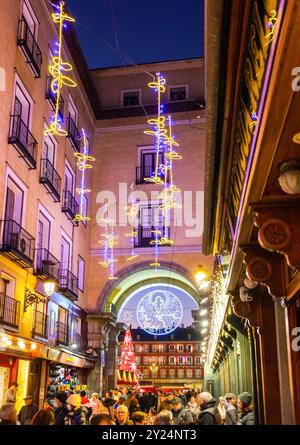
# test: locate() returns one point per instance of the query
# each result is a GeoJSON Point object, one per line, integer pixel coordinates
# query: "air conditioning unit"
{"type": "Point", "coordinates": [245, 295]}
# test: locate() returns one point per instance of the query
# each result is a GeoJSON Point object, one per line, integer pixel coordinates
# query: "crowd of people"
{"type": "Point", "coordinates": [124, 406]}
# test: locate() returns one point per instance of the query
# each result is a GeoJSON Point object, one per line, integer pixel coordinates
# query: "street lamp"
{"type": "Point", "coordinates": [32, 298]}
{"type": "Point", "coordinates": [154, 369]}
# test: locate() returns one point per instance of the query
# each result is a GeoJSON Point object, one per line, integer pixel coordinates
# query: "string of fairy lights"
{"type": "Point", "coordinates": [162, 175]}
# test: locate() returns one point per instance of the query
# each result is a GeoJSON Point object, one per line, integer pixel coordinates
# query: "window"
{"type": "Point", "coordinates": [7, 285]}
{"type": "Point", "coordinates": [80, 273]}
{"type": "Point", "coordinates": [43, 232]}
{"type": "Point", "coordinates": [150, 219]}
{"type": "Point", "coordinates": [178, 92]}
{"type": "Point", "coordinates": [172, 360]}
{"type": "Point", "coordinates": [146, 372]}
{"type": "Point", "coordinates": [154, 348]}
{"type": "Point", "coordinates": [22, 104]}
{"type": "Point", "coordinates": [63, 315]}
{"type": "Point", "coordinates": [69, 178]}
{"type": "Point", "coordinates": [180, 373]}
{"type": "Point", "coordinates": [189, 373]}
{"type": "Point", "coordinates": [189, 360]}
{"type": "Point", "coordinates": [189, 348]}
{"type": "Point", "coordinates": [146, 348]}
{"type": "Point", "coordinates": [163, 373]}
{"type": "Point", "coordinates": [14, 202]}
{"type": "Point", "coordinates": [147, 163]}
{"type": "Point", "coordinates": [180, 348]}
{"type": "Point", "coordinates": [171, 348]}
{"type": "Point", "coordinates": [137, 348]}
{"type": "Point", "coordinates": [146, 360]}
{"type": "Point", "coordinates": [30, 18]}
{"type": "Point", "coordinates": [198, 373]}
{"type": "Point", "coordinates": [49, 149]}
{"type": "Point", "coordinates": [180, 360]}
{"type": "Point", "coordinates": [65, 253]}
{"type": "Point", "coordinates": [138, 359]}
{"type": "Point", "coordinates": [197, 360]}
{"type": "Point", "coordinates": [171, 373]}
{"type": "Point", "coordinates": [161, 360]}
{"type": "Point", "coordinates": [161, 348]}
{"type": "Point", "coordinates": [73, 113]}
{"type": "Point", "coordinates": [130, 98]}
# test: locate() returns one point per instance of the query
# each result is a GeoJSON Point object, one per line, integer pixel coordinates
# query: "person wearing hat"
{"type": "Point", "coordinates": [181, 416]}
{"type": "Point", "coordinates": [61, 411]}
{"type": "Point", "coordinates": [75, 415]}
{"type": "Point", "coordinates": [246, 409]}
{"type": "Point", "coordinates": [27, 411]}
{"type": "Point", "coordinates": [231, 417]}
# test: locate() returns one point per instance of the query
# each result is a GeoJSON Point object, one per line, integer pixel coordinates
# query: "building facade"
{"type": "Point", "coordinates": [169, 361]}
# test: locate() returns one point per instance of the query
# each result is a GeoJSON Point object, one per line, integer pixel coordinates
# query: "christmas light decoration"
{"type": "Point", "coordinates": [132, 212]}
{"type": "Point", "coordinates": [128, 361]}
{"type": "Point", "coordinates": [84, 162]}
{"type": "Point", "coordinates": [108, 243]}
{"type": "Point", "coordinates": [58, 71]}
{"type": "Point", "coordinates": [159, 312]}
{"type": "Point", "coordinates": [272, 24]}
{"type": "Point", "coordinates": [159, 131]}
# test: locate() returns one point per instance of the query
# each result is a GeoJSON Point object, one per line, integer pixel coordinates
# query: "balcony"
{"type": "Point", "coordinates": [51, 97]}
{"type": "Point", "coordinates": [62, 337]}
{"type": "Point", "coordinates": [17, 243]}
{"type": "Point", "coordinates": [73, 135]}
{"type": "Point", "coordinates": [23, 141]}
{"type": "Point", "coordinates": [70, 206]}
{"type": "Point", "coordinates": [47, 266]}
{"type": "Point", "coordinates": [40, 324]}
{"type": "Point", "coordinates": [51, 179]}
{"type": "Point", "coordinates": [29, 47]}
{"type": "Point", "coordinates": [145, 236]}
{"type": "Point", "coordinates": [68, 284]}
{"type": "Point", "coordinates": [9, 311]}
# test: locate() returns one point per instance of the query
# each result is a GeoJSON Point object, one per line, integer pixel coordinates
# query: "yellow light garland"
{"type": "Point", "coordinates": [57, 69]}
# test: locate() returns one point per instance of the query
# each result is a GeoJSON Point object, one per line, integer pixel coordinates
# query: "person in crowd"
{"type": "Point", "coordinates": [8, 414]}
{"type": "Point", "coordinates": [222, 409]}
{"type": "Point", "coordinates": [107, 404]}
{"type": "Point", "coordinates": [122, 401]}
{"type": "Point", "coordinates": [116, 394]}
{"type": "Point", "coordinates": [165, 404]}
{"type": "Point", "coordinates": [43, 417]}
{"type": "Point", "coordinates": [181, 416]}
{"type": "Point", "coordinates": [165, 417]}
{"type": "Point", "coordinates": [183, 397]}
{"type": "Point", "coordinates": [123, 416]}
{"type": "Point", "coordinates": [95, 403]}
{"type": "Point", "coordinates": [193, 407]}
{"type": "Point", "coordinates": [231, 410]}
{"type": "Point", "coordinates": [11, 393]}
{"type": "Point", "coordinates": [151, 416]}
{"type": "Point", "coordinates": [133, 406]}
{"type": "Point", "coordinates": [125, 392]}
{"type": "Point", "coordinates": [84, 399]}
{"type": "Point", "coordinates": [27, 411]}
{"type": "Point", "coordinates": [209, 414]}
{"type": "Point", "coordinates": [47, 405]}
{"type": "Point", "coordinates": [102, 419]}
{"type": "Point", "coordinates": [139, 418]}
{"type": "Point", "coordinates": [61, 409]}
{"type": "Point", "coordinates": [75, 415]}
{"type": "Point", "coordinates": [86, 405]}
{"type": "Point", "coordinates": [246, 409]}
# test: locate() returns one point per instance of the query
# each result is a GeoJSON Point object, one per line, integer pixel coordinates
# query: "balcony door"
{"type": "Point", "coordinates": [22, 105]}
{"type": "Point", "coordinates": [69, 180]}
{"type": "Point", "coordinates": [14, 202]}
{"type": "Point", "coordinates": [148, 162]}
{"type": "Point", "coordinates": [65, 254]}
{"type": "Point", "coordinates": [151, 218]}
{"type": "Point", "coordinates": [43, 232]}
{"type": "Point", "coordinates": [49, 150]}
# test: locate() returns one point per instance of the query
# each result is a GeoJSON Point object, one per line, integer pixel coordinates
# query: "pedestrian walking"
{"type": "Point", "coordinates": [231, 410]}
{"type": "Point", "coordinates": [75, 415]}
{"type": "Point", "coordinates": [209, 414]}
{"type": "Point", "coordinates": [246, 409]}
{"type": "Point", "coordinates": [61, 409]}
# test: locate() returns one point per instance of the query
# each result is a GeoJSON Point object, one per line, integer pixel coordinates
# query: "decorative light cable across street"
{"type": "Point", "coordinates": [58, 71]}
{"type": "Point", "coordinates": [108, 242]}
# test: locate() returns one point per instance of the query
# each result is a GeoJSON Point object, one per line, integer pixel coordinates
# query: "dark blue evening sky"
{"type": "Point", "coordinates": [147, 30]}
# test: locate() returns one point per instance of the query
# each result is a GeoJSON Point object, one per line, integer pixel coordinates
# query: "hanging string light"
{"type": "Point", "coordinates": [108, 242]}
{"type": "Point", "coordinates": [158, 123]}
{"type": "Point", "coordinates": [84, 161]}
{"type": "Point", "coordinates": [58, 70]}
{"type": "Point", "coordinates": [132, 212]}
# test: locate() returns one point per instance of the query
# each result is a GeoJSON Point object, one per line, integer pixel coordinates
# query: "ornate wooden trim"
{"type": "Point", "coordinates": [267, 268]}
{"type": "Point", "coordinates": [279, 227]}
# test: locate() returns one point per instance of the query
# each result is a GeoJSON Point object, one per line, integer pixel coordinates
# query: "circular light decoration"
{"type": "Point", "coordinates": [159, 312]}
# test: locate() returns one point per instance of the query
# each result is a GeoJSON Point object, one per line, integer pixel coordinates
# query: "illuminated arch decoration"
{"type": "Point", "coordinates": [84, 162]}
{"type": "Point", "coordinates": [58, 71]}
{"type": "Point", "coordinates": [159, 312]}
{"type": "Point", "coordinates": [108, 242]}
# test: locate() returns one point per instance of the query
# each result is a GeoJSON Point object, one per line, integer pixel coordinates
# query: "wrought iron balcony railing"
{"type": "Point", "coordinates": [26, 41]}
{"type": "Point", "coordinates": [51, 179]}
{"type": "Point", "coordinates": [46, 265]}
{"type": "Point", "coordinates": [40, 324]}
{"type": "Point", "coordinates": [68, 284]}
{"type": "Point", "coordinates": [62, 335]}
{"type": "Point", "coordinates": [70, 206]}
{"type": "Point", "coordinates": [73, 135]}
{"type": "Point", "coordinates": [17, 243]}
{"type": "Point", "coordinates": [9, 311]}
{"type": "Point", "coordinates": [22, 139]}
{"type": "Point", "coordinates": [145, 236]}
